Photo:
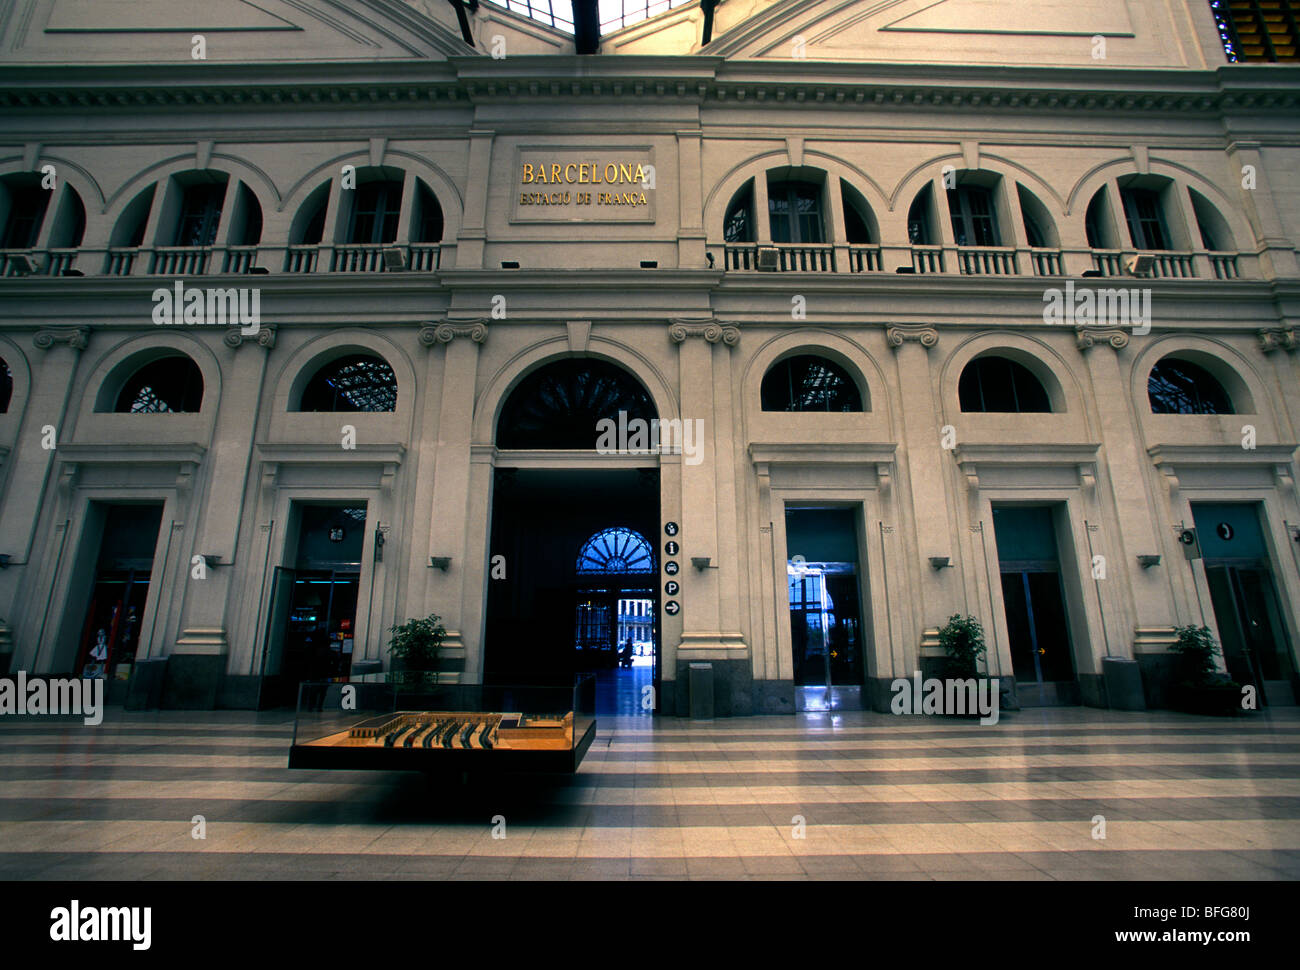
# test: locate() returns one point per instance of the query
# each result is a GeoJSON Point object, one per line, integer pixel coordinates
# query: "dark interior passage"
{"type": "Point", "coordinates": [578, 548]}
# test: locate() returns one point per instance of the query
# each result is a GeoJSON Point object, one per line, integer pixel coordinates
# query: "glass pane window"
{"type": "Point", "coordinates": [375, 211]}
{"type": "Point", "coordinates": [200, 214]}
{"type": "Point", "coordinates": [973, 220]}
{"type": "Point", "coordinates": [354, 383]}
{"type": "Point", "coordinates": [996, 384]}
{"type": "Point", "coordinates": [172, 385]}
{"type": "Point", "coordinates": [1181, 387]}
{"type": "Point", "coordinates": [794, 211]}
{"type": "Point", "coordinates": [1146, 222]}
{"type": "Point", "coordinates": [808, 383]}
{"type": "Point", "coordinates": [27, 204]}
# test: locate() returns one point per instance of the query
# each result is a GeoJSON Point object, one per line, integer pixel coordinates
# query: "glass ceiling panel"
{"type": "Point", "coordinates": [614, 14]}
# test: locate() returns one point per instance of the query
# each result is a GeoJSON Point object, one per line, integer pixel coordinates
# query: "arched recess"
{"type": "Point", "coordinates": [562, 403]}
{"type": "Point", "coordinates": [1010, 173]}
{"type": "Point", "coordinates": [1083, 191]}
{"type": "Point", "coordinates": [1056, 376]}
{"type": "Point", "coordinates": [833, 170]}
{"type": "Point", "coordinates": [20, 373]}
{"type": "Point", "coordinates": [258, 182]}
{"type": "Point", "coordinates": [491, 400]}
{"type": "Point", "coordinates": [308, 359]}
{"type": "Point", "coordinates": [62, 221]}
{"type": "Point", "coordinates": [439, 182]}
{"type": "Point", "coordinates": [115, 367]}
{"type": "Point", "coordinates": [1247, 390]}
{"type": "Point", "coordinates": [876, 405]}
{"type": "Point", "coordinates": [66, 171]}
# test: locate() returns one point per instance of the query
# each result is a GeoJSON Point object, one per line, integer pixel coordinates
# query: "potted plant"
{"type": "Point", "coordinates": [962, 639]}
{"type": "Point", "coordinates": [1202, 689]}
{"type": "Point", "coordinates": [415, 646]}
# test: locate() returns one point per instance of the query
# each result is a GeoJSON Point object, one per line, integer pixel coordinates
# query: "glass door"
{"type": "Point", "coordinates": [1254, 641]}
{"type": "Point", "coordinates": [825, 632]}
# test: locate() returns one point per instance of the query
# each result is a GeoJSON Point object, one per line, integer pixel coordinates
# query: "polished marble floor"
{"type": "Point", "coordinates": [860, 796]}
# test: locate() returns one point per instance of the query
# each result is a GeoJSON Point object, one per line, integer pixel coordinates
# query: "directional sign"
{"type": "Point", "coordinates": [670, 528]}
{"type": "Point", "coordinates": [671, 587]}
{"type": "Point", "coordinates": [672, 607]}
{"type": "Point", "coordinates": [670, 567]}
{"type": "Point", "coordinates": [672, 548]}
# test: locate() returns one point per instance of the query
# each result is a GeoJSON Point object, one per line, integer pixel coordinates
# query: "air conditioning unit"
{"type": "Point", "coordinates": [769, 258]}
{"type": "Point", "coordinates": [394, 260]}
{"type": "Point", "coordinates": [1139, 264]}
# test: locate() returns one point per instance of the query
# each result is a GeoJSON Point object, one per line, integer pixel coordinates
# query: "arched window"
{"type": "Point", "coordinates": [1181, 387]}
{"type": "Point", "coordinates": [1144, 210]}
{"type": "Point", "coordinates": [1040, 233]}
{"type": "Point", "coordinates": [859, 222]}
{"type": "Point", "coordinates": [357, 382]}
{"type": "Point", "coordinates": [996, 384]}
{"type": "Point", "coordinates": [202, 196]}
{"type": "Point", "coordinates": [6, 386]}
{"type": "Point", "coordinates": [795, 212]}
{"type": "Point", "coordinates": [168, 385]}
{"type": "Point", "coordinates": [920, 218]}
{"type": "Point", "coordinates": [738, 226]}
{"type": "Point", "coordinates": [426, 221]}
{"type": "Point", "coordinates": [974, 221]}
{"type": "Point", "coordinates": [562, 404]}
{"type": "Point", "coordinates": [809, 383]}
{"type": "Point", "coordinates": [618, 550]}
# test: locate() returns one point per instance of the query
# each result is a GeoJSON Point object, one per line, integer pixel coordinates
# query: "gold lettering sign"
{"type": "Point", "coordinates": [554, 184]}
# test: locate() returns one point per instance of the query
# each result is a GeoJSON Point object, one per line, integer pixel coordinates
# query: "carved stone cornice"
{"type": "Point", "coordinates": [714, 333]}
{"type": "Point", "coordinates": [1087, 337]}
{"type": "Point", "coordinates": [74, 337]}
{"type": "Point", "coordinates": [1280, 339]}
{"type": "Point", "coordinates": [927, 337]}
{"type": "Point", "coordinates": [445, 333]}
{"type": "Point", "coordinates": [265, 337]}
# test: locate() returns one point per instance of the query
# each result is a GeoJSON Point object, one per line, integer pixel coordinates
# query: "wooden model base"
{"type": "Point", "coordinates": [452, 740]}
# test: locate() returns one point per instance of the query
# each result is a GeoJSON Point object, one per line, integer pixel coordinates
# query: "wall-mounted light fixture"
{"type": "Point", "coordinates": [940, 562]}
{"type": "Point", "coordinates": [210, 560]}
{"type": "Point", "coordinates": [701, 562]}
{"type": "Point", "coordinates": [394, 260]}
{"type": "Point", "coordinates": [1146, 562]}
{"type": "Point", "coordinates": [379, 544]}
{"type": "Point", "coordinates": [4, 560]}
{"type": "Point", "coordinates": [1139, 264]}
{"type": "Point", "coordinates": [709, 257]}
{"type": "Point", "coordinates": [440, 562]}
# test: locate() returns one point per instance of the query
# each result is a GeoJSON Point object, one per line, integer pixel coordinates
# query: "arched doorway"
{"type": "Point", "coordinates": [575, 587]}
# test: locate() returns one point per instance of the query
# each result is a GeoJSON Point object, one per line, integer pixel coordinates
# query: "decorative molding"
{"type": "Point", "coordinates": [579, 335]}
{"type": "Point", "coordinates": [74, 337]}
{"type": "Point", "coordinates": [1087, 337]}
{"type": "Point", "coordinates": [714, 333]}
{"type": "Point", "coordinates": [1280, 339]}
{"type": "Point", "coordinates": [927, 337]}
{"type": "Point", "coordinates": [235, 337]}
{"type": "Point", "coordinates": [445, 333]}
{"type": "Point", "coordinates": [1082, 457]}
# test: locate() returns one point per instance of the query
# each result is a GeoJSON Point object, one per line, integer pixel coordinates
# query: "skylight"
{"type": "Point", "coordinates": [614, 14]}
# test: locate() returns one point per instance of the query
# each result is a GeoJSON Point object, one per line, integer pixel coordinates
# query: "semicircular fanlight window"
{"type": "Point", "coordinates": [617, 550]}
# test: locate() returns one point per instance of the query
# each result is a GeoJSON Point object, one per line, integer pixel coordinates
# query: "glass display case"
{"type": "Point", "coordinates": [372, 724]}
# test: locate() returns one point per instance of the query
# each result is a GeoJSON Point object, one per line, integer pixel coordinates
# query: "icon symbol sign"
{"type": "Point", "coordinates": [671, 548]}
{"type": "Point", "coordinates": [1225, 531]}
{"type": "Point", "coordinates": [672, 607]}
{"type": "Point", "coordinates": [670, 528]}
{"type": "Point", "coordinates": [671, 587]}
{"type": "Point", "coordinates": [670, 567]}
{"type": "Point", "coordinates": [1187, 537]}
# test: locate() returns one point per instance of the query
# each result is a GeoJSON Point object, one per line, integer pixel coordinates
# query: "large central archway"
{"type": "Point", "coordinates": [574, 520]}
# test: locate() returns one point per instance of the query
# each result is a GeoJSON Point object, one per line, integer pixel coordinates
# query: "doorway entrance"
{"type": "Point", "coordinates": [311, 628]}
{"type": "Point", "coordinates": [579, 593]}
{"type": "Point", "coordinates": [826, 633]}
{"type": "Point", "coordinates": [110, 634]}
{"type": "Point", "coordinates": [1256, 649]}
{"type": "Point", "coordinates": [1033, 597]}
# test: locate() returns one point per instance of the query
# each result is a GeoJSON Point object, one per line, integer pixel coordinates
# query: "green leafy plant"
{"type": "Point", "coordinates": [1198, 648]}
{"type": "Point", "coordinates": [962, 638]}
{"type": "Point", "coordinates": [416, 644]}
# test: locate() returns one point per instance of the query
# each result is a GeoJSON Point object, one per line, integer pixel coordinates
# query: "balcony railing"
{"type": "Point", "coordinates": [180, 260]}
{"type": "Point", "coordinates": [788, 258]}
{"type": "Point", "coordinates": [301, 259]}
{"type": "Point", "coordinates": [987, 261]}
{"type": "Point", "coordinates": [864, 259]}
{"type": "Point", "coordinates": [927, 259]}
{"type": "Point", "coordinates": [1047, 262]}
{"type": "Point", "coordinates": [1224, 266]}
